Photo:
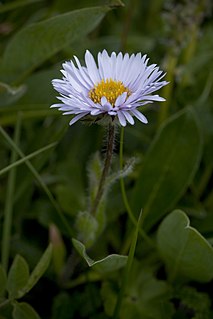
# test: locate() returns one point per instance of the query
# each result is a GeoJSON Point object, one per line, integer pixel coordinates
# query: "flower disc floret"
{"type": "Point", "coordinates": [116, 86]}
{"type": "Point", "coordinates": [110, 89]}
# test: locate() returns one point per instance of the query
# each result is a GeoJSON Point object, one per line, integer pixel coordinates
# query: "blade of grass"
{"type": "Point", "coordinates": [127, 269]}
{"type": "Point", "coordinates": [14, 147]}
{"type": "Point", "coordinates": [8, 211]}
{"type": "Point", "coordinates": [27, 157]}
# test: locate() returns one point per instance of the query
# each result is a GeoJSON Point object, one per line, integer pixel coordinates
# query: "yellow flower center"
{"type": "Point", "coordinates": [110, 89]}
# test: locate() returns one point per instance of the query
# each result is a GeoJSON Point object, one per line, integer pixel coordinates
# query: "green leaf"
{"type": "Point", "coordinates": [24, 311]}
{"type": "Point", "coordinates": [95, 168]}
{"type": "Point", "coordinates": [37, 42]}
{"type": "Point", "coordinates": [16, 4]}
{"type": "Point", "coordinates": [87, 227]}
{"type": "Point", "coordinates": [3, 281]}
{"type": "Point", "coordinates": [116, 3]}
{"type": "Point", "coordinates": [185, 251]}
{"type": "Point", "coordinates": [9, 94]}
{"type": "Point", "coordinates": [101, 215]}
{"type": "Point", "coordinates": [146, 297]}
{"type": "Point", "coordinates": [198, 302]}
{"type": "Point", "coordinates": [69, 198]}
{"type": "Point", "coordinates": [39, 95]}
{"type": "Point", "coordinates": [38, 271]}
{"type": "Point", "coordinates": [109, 297]}
{"type": "Point", "coordinates": [169, 167]}
{"type": "Point", "coordinates": [62, 306]}
{"type": "Point", "coordinates": [17, 277]}
{"type": "Point", "coordinates": [127, 169]}
{"type": "Point", "coordinates": [110, 263]}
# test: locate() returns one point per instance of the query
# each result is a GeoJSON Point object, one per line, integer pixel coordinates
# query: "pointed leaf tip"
{"type": "Point", "coordinates": [110, 263]}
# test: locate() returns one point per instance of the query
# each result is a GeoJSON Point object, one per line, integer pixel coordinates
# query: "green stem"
{"type": "Point", "coordinates": [124, 196]}
{"type": "Point", "coordinates": [127, 269]}
{"type": "Point", "coordinates": [107, 163]}
{"type": "Point", "coordinates": [14, 147]}
{"type": "Point", "coordinates": [8, 211]}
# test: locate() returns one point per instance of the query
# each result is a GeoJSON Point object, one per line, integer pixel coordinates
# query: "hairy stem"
{"type": "Point", "coordinates": [107, 163]}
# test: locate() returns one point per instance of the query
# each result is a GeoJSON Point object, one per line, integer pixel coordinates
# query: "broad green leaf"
{"type": "Point", "coordinates": [36, 97]}
{"type": "Point", "coordinates": [185, 251]}
{"type": "Point", "coordinates": [70, 199]}
{"type": "Point", "coordinates": [24, 311]}
{"type": "Point", "coordinates": [145, 297]}
{"type": "Point", "coordinates": [37, 42]}
{"type": "Point", "coordinates": [38, 271]}
{"type": "Point", "coordinates": [169, 167]}
{"type": "Point", "coordinates": [9, 94]}
{"type": "Point", "coordinates": [16, 4]}
{"type": "Point", "coordinates": [17, 277]}
{"type": "Point", "coordinates": [3, 281]}
{"type": "Point", "coordinates": [109, 263]}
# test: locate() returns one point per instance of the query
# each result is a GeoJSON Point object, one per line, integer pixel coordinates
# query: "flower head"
{"type": "Point", "coordinates": [116, 86]}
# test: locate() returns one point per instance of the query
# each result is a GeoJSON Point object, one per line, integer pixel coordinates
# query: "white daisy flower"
{"type": "Point", "coordinates": [116, 86]}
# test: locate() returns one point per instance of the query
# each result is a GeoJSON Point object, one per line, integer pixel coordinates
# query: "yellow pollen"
{"type": "Point", "coordinates": [110, 89]}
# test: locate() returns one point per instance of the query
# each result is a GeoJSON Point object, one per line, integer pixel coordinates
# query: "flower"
{"type": "Point", "coordinates": [116, 86]}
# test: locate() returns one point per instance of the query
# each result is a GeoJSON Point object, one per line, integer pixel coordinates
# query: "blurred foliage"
{"type": "Point", "coordinates": [46, 196]}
